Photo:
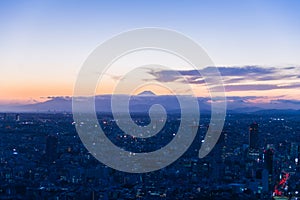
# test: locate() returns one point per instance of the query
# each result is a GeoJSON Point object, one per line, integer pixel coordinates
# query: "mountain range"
{"type": "Point", "coordinates": [143, 101]}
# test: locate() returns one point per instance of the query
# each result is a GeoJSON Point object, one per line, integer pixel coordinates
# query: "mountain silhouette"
{"type": "Point", "coordinates": [142, 102]}
{"type": "Point", "coordinates": [147, 93]}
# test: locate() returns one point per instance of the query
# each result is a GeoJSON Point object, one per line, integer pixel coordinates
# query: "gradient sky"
{"type": "Point", "coordinates": [44, 43]}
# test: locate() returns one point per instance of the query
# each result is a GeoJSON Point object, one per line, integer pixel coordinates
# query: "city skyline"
{"type": "Point", "coordinates": [150, 99]}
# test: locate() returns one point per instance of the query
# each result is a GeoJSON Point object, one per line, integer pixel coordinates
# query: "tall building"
{"type": "Point", "coordinates": [295, 150]}
{"type": "Point", "coordinates": [219, 154]}
{"type": "Point", "coordinates": [268, 159]}
{"type": "Point", "coordinates": [51, 148]}
{"type": "Point", "coordinates": [17, 117]}
{"type": "Point", "coordinates": [222, 145]}
{"type": "Point", "coordinates": [253, 136]}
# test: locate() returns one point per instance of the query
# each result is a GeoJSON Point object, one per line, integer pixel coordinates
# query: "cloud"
{"type": "Point", "coordinates": [262, 76]}
{"type": "Point", "coordinates": [233, 80]}
{"type": "Point", "coordinates": [285, 101]}
{"type": "Point", "coordinates": [290, 68]}
{"type": "Point", "coordinates": [165, 75]}
{"type": "Point", "coordinates": [244, 98]}
{"type": "Point", "coordinates": [231, 71]}
{"type": "Point", "coordinates": [57, 97]}
{"type": "Point", "coordinates": [115, 77]}
{"type": "Point", "coordinates": [271, 78]}
{"type": "Point", "coordinates": [230, 88]}
{"type": "Point", "coordinates": [195, 80]}
{"type": "Point", "coordinates": [245, 71]}
{"type": "Point", "coordinates": [297, 85]}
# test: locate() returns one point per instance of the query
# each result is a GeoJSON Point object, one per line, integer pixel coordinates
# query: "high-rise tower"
{"type": "Point", "coordinates": [17, 118]}
{"type": "Point", "coordinates": [268, 159]}
{"type": "Point", "coordinates": [253, 136]}
{"type": "Point", "coordinates": [51, 148]}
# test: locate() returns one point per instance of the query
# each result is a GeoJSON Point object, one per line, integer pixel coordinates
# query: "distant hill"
{"type": "Point", "coordinates": [278, 111]}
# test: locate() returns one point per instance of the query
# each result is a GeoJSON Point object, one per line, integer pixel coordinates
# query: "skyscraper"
{"type": "Point", "coordinates": [268, 159]}
{"type": "Point", "coordinates": [4, 117]}
{"type": "Point", "coordinates": [218, 166]}
{"type": "Point", "coordinates": [51, 148]}
{"type": "Point", "coordinates": [295, 150]}
{"type": "Point", "coordinates": [17, 117]}
{"type": "Point", "coordinates": [253, 136]}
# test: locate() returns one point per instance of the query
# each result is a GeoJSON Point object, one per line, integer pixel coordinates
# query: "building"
{"type": "Point", "coordinates": [253, 136]}
{"type": "Point", "coordinates": [268, 160]}
{"type": "Point", "coordinates": [17, 117]}
{"type": "Point", "coordinates": [253, 150]}
{"type": "Point", "coordinates": [4, 117]}
{"type": "Point", "coordinates": [51, 148]}
{"type": "Point", "coordinates": [219, 155]}
{"type": "Point", "coordinates": [295, 150]}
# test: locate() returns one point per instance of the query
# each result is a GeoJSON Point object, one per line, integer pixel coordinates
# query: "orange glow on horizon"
{"type": "Point", "coordinates": [31, 92]}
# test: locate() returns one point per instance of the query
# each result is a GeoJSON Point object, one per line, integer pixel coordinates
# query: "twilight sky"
{"type": "Point", "coordinates": [44, 43]}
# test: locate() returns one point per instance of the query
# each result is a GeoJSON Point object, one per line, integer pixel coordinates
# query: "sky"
{"type": "Point", "coordinates": [43, 44]}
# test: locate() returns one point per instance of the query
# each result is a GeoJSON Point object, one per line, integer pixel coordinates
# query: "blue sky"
{"type": "Point", "coordinates": [44, 43]}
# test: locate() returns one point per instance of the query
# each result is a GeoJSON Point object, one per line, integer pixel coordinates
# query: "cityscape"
{"type": "Point", "coordinates": [150, 100]}
{"type": "Point", "coordinates": [256, 157]}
